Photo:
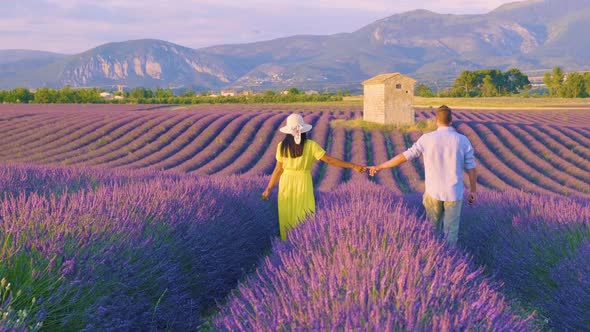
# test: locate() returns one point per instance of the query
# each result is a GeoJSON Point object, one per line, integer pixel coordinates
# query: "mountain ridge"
{"type": "Point", "coordinates": [434, 48]}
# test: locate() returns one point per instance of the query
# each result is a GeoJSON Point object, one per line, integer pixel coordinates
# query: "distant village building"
{"type": "Point", "coordinates": [106, 95]}
{"type": "Point", "coordinates": [247, 93]}
{"type": "Point", "coordinates": [118, 97]}
{"type": "Point", "coordinates": [388, 99]}
{"type": "Point", "coordinates": [311, 92]}
{"type": "Point", "coordinates": [228, 93]}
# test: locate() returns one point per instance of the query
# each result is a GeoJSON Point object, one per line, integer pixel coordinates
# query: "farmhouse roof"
{"type": "Point", "coordinates": [383, 78]}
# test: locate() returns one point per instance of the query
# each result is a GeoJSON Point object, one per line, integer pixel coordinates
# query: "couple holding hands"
{"type": "Point", "coordinates": [446, 155]}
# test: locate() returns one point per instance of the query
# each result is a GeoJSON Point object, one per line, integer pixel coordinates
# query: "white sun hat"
{"type": "Point", "coordinates": [295, 126]}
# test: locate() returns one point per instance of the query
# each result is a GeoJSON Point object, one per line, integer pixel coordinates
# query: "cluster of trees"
{"type": "Point", "coordinates": [494, 83]}
{"type": "Point", "coordinates": [162, 96]}
{"type": "Point", "coordinates": [18, 95]}
{"type": "Point", "coordinates": [478, 83]}
{"type": "Point", "coordinates": [254, 99]}
{"type": "Point", "coordinates": [158, 96]}
{"type": "Point", "coordinates": [67, 95]}
{"type": "Point", "coordinates": [571, 85]}
{"type": "Point", "coordinates": [482, 83]}
{"type": "Point", "coordinates": [47, 95]}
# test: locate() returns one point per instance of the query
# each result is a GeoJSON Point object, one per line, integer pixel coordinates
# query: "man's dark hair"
{"type": "Point", "coordinates": [443, 115]}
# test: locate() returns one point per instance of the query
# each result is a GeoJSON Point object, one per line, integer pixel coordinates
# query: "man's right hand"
{"type": "Point", "coordinates": [471, 198]}
{"type": "Point", "coordinates": [373, 170]}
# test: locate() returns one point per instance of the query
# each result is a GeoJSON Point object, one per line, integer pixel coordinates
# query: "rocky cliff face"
{"type": "Point", "coordinates": [146, 62]}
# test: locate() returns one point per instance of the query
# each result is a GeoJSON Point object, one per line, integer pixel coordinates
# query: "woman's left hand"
{"type": "Point", "coordinates": [360, 169]}
{"type": "Point", "coordinates": [265, 194]}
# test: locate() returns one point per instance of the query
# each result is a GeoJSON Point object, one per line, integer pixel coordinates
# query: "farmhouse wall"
{"type": "Point", "coordinates": [388, 99]}
{"type": "Point", "coordinates": [374, 103]}
{"type": "Point", "coordinates": [399, 100]}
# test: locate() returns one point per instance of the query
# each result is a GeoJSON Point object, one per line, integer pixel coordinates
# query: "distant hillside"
{"type": "Point", "coordinates": [16, 66]}
{"type": "Point", "coordinates": [14, 56]}
{"type": "Point", "coordinates": [434, 48]}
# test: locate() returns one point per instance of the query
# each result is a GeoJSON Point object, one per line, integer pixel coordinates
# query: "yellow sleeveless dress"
{"type": "Point", "coordinates": [296, 200]}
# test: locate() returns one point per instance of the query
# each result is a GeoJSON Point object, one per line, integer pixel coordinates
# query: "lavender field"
{"type": "Point", "coordinates": [148, 217]}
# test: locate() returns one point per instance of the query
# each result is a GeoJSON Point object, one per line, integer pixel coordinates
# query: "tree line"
{"type": "Point", "coordinates": [482, 83]}
{"type": "Point", "coordinates": [141, 95]}
{"type": "Point", "coordinates": [495, 83]}
{"type": "Point", "coordinates": [478, 83]}
{"type": "Point", "coordinates": [571, 85]}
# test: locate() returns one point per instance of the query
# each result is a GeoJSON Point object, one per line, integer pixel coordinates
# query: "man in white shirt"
{"type": "Point", "coordinates": [446, 154]}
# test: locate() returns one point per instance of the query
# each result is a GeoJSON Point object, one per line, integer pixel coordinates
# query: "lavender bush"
{"type": "Point", "coordinates": [365, 262]}
{"type": "Point", "coordinates": [257, 146]}
{"type": "Point", "coordinates": [571, 295]}
{"type": "Point", "coordinates": [538, 246]}
{"type": "Point", "coordinates": [130, 254]}
{"type": "Point", "coordinates": [218, 139]}
{"type": "Point", "coordinates": [203, 138]}
{"type": "Point", "coordinates": [334, 175]}
{"type": "Point", "coordinates": [389, 178]}
{"type": "Point", "coordinates": [235, 146]}
{"type": "Point", "coordinates": [209, 139]}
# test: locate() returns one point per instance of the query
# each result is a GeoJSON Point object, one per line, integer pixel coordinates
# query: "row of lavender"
{"type": "Point", "coordinates": [564, 116]}
{"type": "Point", "coordinates": [512, 153]}
{"type": "Point", "coordinates": [368, 261]}
{"type": "Point", "coordinates": [539, 246]}
{"type": "Point", "coordinates": [144, 250]}
{"type": "Point", "coordinates": [98, 250]}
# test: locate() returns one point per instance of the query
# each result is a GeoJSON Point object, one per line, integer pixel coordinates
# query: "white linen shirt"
{"type": "Point", "coordinates": [446, 154]}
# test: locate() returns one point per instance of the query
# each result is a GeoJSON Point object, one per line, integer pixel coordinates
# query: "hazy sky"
{"type": "Point", "coordinates": [71, 26]}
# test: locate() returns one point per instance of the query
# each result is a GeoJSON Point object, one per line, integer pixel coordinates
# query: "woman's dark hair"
{"type": "Point", "coordinates": [290, 149]}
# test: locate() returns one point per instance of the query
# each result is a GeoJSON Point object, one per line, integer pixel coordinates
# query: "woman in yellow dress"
{"type": "Point", "coordinates": [295, 157]}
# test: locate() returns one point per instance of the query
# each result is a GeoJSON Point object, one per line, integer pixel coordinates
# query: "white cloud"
{"type": "Point", "coordinates": [77, 25]}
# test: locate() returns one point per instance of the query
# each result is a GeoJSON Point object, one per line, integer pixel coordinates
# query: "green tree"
{"type": "Point", "coordinates": [66, 95]}
{"type": "Point", "coordinates": [488, 88]}
{"type": "Point", "coordinates": [163, 93]}
{"type": "Point", "coordinates": [498, 79]}
{"type": "Point", "coordinates": [88, 95]}
{"type": "Point", "coordinates": [554, 81]}
{"type": "Point", "coordinates": [188, 93]}
{"type": "Point", "coordinates": [516, 81]}
{"type": "Point", "coordinates": [587, 82]}
{"type": "Point", "coordinates": [19, 95]}
{"type": "Point", "coordinates": [141, 93]}
{"type": "Point", "coordinates": [423, 90]}
{"type": "Point", "coordinates": [294, 91]}
{"type": "Point", "coordinates": [558, 78]}
{"type": "Point", "coordinates": [465, 84]}
{"type": "Point", "coordinates": [45, 96]}
{"type": "Point", "coordinates": [574, 86]}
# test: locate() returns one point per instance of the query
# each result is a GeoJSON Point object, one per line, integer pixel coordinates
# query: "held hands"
{"type": "Point", "coordinates": [360, 169]}
{"type": "Point", "coordinates": [373, 170]}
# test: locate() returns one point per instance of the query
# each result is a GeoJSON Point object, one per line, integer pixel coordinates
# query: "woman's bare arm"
{"type": "Point", "coordinates": [276, 175]}
{"type": "Point", "coordinates": [344, 164]}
